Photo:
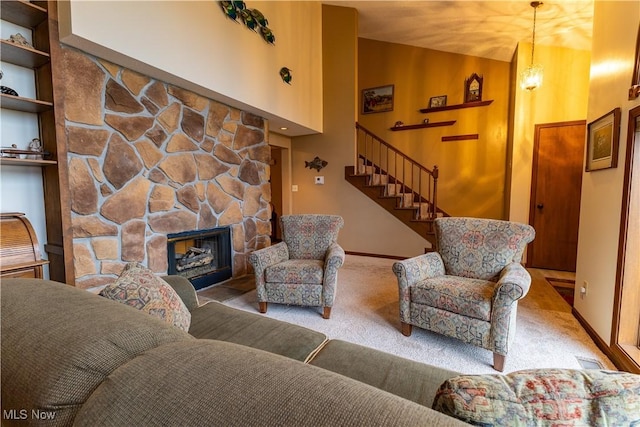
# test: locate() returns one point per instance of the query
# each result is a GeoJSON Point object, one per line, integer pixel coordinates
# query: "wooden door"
{"type": "Point", "coordinates": [556, 184]}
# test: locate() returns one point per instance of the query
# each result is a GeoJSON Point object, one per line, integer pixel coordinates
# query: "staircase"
{"type": "Point", "coordinates": [396, 182]}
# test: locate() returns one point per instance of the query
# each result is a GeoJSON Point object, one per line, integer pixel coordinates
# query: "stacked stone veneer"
{"type": "Point", "coordinates": [146, 159]}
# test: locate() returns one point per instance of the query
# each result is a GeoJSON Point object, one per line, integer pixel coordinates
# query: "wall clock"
{"type": "Point", "coordinates": [473, 88]}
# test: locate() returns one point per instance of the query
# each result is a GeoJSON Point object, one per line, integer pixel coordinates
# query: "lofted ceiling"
{"type": "Point", "coordinates": [489, 29]}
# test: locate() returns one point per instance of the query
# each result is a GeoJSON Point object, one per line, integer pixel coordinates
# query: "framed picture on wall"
{"type": "Point", "coordinates": [438, 101]}
{"type": "Point", "coordinates": [377, 99]}
{"type": "Point", "coordinates": [602, 142]}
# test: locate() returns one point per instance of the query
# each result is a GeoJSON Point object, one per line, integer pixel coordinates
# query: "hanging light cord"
{"type": "Point", "coordinates": [533, 42]}
{"type": "Point", "coordinates": [535, 5]}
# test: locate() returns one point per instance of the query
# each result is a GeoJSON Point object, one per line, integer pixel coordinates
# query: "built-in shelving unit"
{"type": "Point", "coordinates": [422, 125]}
{"type": "Point", "coordinates": [457, 106]}
{"type": "Point", "coordinates": [39, 18]}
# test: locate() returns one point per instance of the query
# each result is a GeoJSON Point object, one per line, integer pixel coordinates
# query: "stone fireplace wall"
{"type": "Point", "coordinates": [146, 159]}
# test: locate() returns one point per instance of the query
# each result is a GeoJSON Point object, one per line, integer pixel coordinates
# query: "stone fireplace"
{"type": "Point", "coordinates": [148, 160]}
{"type": "Point", "coordinates": [202, 256]}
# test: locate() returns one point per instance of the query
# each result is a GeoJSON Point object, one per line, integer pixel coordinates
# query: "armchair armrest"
{"type": "Point", "coordinates": [271, 255]}
{"type": "Point", "coordinates": [333, 260]}
{"type": "Point", "coordinates": [263, 258]}
{"type": "Point", "coordinates": [418, 268]}
{"type": "Point", "coordinates": [184, 289]}
{"type": "Point", "coordinates": [414, 270]}
{"type": "Point", "coordinates": [513, 284]}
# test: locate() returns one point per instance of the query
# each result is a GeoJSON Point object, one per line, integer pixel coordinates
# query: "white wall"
{"type": "Point", "coordinates": [194, 45]}
{"type": "Point", "coordinates": [615, 28]}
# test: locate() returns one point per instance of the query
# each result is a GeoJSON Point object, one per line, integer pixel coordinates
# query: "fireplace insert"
{"type": "Point", "coordinates": [202, 256]}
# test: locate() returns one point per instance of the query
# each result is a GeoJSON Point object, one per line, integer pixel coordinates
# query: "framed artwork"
{"type": "Point", "coordinates": [473, 88]}
{"type": "Point", "coordinates": [377, 99]}
{"type": "Point", "coordinates": [438, 101]}
{"type": "Point", "coordinates": [603, 137]}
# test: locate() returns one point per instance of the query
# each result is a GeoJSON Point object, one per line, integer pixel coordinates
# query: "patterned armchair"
{"type": "Point", "coordinates": [469, 289]}
{"type": "Point", "coordinates": [303, 268]}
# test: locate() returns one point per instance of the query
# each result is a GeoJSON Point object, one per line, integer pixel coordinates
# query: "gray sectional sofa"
{"type": "Point", "coordinates": [70, 357]}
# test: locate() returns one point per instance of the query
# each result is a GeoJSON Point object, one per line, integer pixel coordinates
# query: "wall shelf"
{"type": "Point", "coordinates": [22, 13]}
{"type": "Point", "coordinates": [23, 56]}
{"type": "Point", "coordinates": [26, 105]}
{"type": "Point", "coordinates": [457, 106]}
{"type": "Point", "coordinates": [422, 125]}
{"type": "Point", "coordinates": [460, 137]}
{"type": "Point", "coordinates": [6, 161]}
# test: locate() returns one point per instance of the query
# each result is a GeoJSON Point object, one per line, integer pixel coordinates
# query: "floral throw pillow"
{"type": "Point", "coordinates": [543, 397]}
{"type": "Point", "coordinates": [140, 288]}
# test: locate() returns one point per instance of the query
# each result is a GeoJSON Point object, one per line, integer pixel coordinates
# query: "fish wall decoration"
{"type": "Point", "coordinates": [317, 163]}
{"type": "Point", "coordinates": [253, 19]}
{"type": "Point", "coordinates": [285, 75]}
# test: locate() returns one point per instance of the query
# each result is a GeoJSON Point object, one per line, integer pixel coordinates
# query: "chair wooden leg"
{"type": "Point", "coordinates": [262, 306]}
{"type": "Point", "coordinates": [326, 312]}
{"type": "Point", "coordinates": [498, 361]}
{"type": "Point", "coordinates": [406, 329]}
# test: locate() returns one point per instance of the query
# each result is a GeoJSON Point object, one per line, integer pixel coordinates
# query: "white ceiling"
{"type": "Point", "coordinates": [489, 29]}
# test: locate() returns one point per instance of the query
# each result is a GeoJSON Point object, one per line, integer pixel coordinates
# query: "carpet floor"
{"type": "Point", "coordinates": [366, 312]}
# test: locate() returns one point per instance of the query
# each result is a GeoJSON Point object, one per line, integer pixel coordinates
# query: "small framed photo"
{"type": "Point", "coordinates": [438, 101]}
{"type": "Point", "coordinates": [603, 138]}
{"type": "Point", "coordinates": [377, 99]}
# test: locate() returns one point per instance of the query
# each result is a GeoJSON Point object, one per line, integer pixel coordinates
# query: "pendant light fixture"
{"type": "Point", "coordinates": [531, 77]}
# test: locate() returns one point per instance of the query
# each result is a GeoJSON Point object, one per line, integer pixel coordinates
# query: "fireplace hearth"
{"type": "Point", "coordinates": [202, 256]}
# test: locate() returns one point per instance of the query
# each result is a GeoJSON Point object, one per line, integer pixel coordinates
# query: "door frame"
{"type": "Point", "coordinates": [626, 305]}
{"type": "Point", "coordinates": [284, 143]}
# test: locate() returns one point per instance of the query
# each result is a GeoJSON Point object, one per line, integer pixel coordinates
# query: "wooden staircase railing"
{"type": "Point", "coordinates": [395, 181]}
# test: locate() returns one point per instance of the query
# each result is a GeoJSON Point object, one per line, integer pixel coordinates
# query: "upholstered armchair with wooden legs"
{"type": "Point", "coordinates": [469, 288]}
{"type": "Point", "coordinates": [303, 268]}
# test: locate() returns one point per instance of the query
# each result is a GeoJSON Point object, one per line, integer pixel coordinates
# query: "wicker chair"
{"type": "Point", "coordinates": [469, 288]}
{"type": "Point", "coordinates": [303, 268]}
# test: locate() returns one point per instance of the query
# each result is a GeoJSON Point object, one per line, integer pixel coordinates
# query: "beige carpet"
{"type": "Point", "coordinates": [366, 313]}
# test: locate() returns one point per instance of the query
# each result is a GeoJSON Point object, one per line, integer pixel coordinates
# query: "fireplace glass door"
{"type": "Point", "coordinates": [202, 256]}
